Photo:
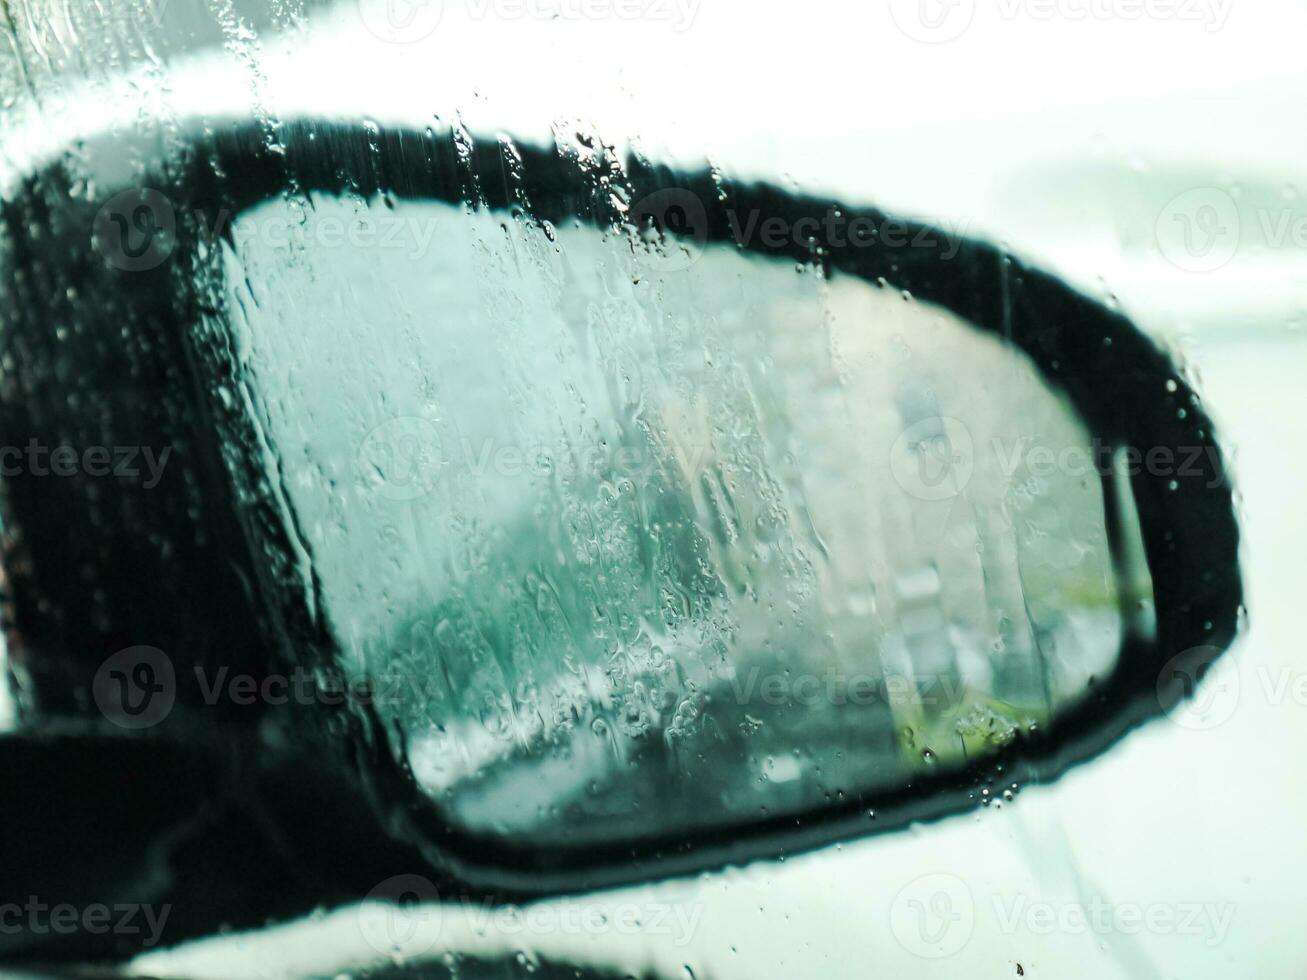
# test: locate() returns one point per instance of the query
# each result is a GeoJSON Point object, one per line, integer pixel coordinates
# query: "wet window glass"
{"type": "Point", "coordinates": [651, 488]}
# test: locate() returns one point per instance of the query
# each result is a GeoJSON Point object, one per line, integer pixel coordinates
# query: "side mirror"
{"type": "Point", "coordinates": [644, 526]}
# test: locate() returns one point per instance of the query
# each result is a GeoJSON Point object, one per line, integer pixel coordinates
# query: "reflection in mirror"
{"type": "Point", "coordinates": [634, 540]}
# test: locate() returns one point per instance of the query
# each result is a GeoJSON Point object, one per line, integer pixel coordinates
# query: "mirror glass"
{"type": "Point", "coordinates": [634, 538]}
